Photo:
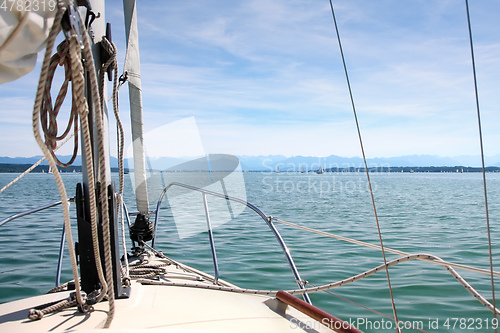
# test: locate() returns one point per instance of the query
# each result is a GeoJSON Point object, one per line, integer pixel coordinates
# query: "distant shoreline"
{"type": "Point", "coordinates": [18, 168]}
{"type": "Point", "coordinates": [456, 169]}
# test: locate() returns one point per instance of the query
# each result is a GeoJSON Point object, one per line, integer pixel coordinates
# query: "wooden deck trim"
{"type": "Point", "coordinates": [326, 319]}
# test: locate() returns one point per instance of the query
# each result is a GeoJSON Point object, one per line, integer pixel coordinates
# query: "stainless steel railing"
{"type": "Point", "coordinates": [38, 209]}
{"type": "Point", "coordinates": [30, 211]}
{"type": "Point", "coordinates": [266, 218]}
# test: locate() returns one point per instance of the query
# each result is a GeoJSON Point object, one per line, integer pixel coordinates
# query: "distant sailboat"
{"type": "Point", "coordinates": [278, 169]}
{"type": "Point", "coordinates": [320, 170]}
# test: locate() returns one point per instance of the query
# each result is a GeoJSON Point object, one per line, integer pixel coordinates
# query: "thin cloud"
{"type": "Point", "coordinates": [266, 77]}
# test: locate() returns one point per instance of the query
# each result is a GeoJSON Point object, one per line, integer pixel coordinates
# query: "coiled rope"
{"type": "Point", "coordinates": [147, 270]}
{"type": "Point", "coordinates": [49, 113]}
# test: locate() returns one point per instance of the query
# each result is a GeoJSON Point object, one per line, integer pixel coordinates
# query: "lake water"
{"type": "Point", "coordinates": [441, 214]}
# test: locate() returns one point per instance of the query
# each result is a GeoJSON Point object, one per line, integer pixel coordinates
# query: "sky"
{"type": "Point", "coordinates": [265, 77]}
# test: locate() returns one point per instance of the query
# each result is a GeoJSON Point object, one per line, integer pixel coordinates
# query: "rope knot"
{"type": "Point", "coordinates": [126, 281]}
{"type": "Point", "coordinates": [35, 314]}
{"type": "Point", "coordinates": [62, 52]}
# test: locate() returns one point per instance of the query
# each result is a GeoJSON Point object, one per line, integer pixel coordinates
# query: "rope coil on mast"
{"type": "Point", "coordinates": [49, 113]}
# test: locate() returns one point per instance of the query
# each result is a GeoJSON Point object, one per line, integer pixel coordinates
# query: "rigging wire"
{"type": "Point", "coordinates": [485, 191]}
{"type": "Point", "coordinates": [387, 249]}
{"type": "Point", "coordinates": [393, 304]}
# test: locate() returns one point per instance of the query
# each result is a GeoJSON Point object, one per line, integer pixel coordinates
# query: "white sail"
{"type": "Point", "coordinates": [320, 170]}
{"type": "Point", "coordinates": [132, 67]}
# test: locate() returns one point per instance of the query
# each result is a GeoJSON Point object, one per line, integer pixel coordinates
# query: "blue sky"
{"type": "Point", "coordinates": [265, 77]}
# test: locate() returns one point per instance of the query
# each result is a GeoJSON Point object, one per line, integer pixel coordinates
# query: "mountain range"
{"type": "Point", "coordinates": [297, 163]}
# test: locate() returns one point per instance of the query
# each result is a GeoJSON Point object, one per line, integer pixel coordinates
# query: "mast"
{"type": "Point", "coordinates": [99, 30]}
{"type": "Point", "coordinates": [98, 248]}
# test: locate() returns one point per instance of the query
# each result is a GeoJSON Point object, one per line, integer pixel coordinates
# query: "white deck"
{"type": "Point", "coordinates": [167, 309]}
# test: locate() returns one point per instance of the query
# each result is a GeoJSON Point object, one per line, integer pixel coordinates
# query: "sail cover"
{"type": "Point", "coordinates": [22, 35]}
{"type": "Point", "coordinates": [132, 68]}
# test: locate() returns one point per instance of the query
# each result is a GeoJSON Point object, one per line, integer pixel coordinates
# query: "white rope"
{"type": "Point", "coordinates": [35, 314]}
{"type": "Point", "coordinates": [61, 8]}
{"type": "Point", "coordinates": [98, 114]}
{"type": "Point", "coordinates": [77, 77]}
{"type": "Point", "coordinates": [112, 51]}
{"type": "Point", "coordinates": [333, 285]}
{"type": "Point", "coordinates": [78, 85]}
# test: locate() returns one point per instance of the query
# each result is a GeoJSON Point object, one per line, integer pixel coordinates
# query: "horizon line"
{"type": "Point", "coordinates": [277, 155]}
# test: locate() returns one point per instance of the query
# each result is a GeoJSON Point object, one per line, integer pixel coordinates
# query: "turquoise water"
{"type": "Point", "coordinates": [441, 214]}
